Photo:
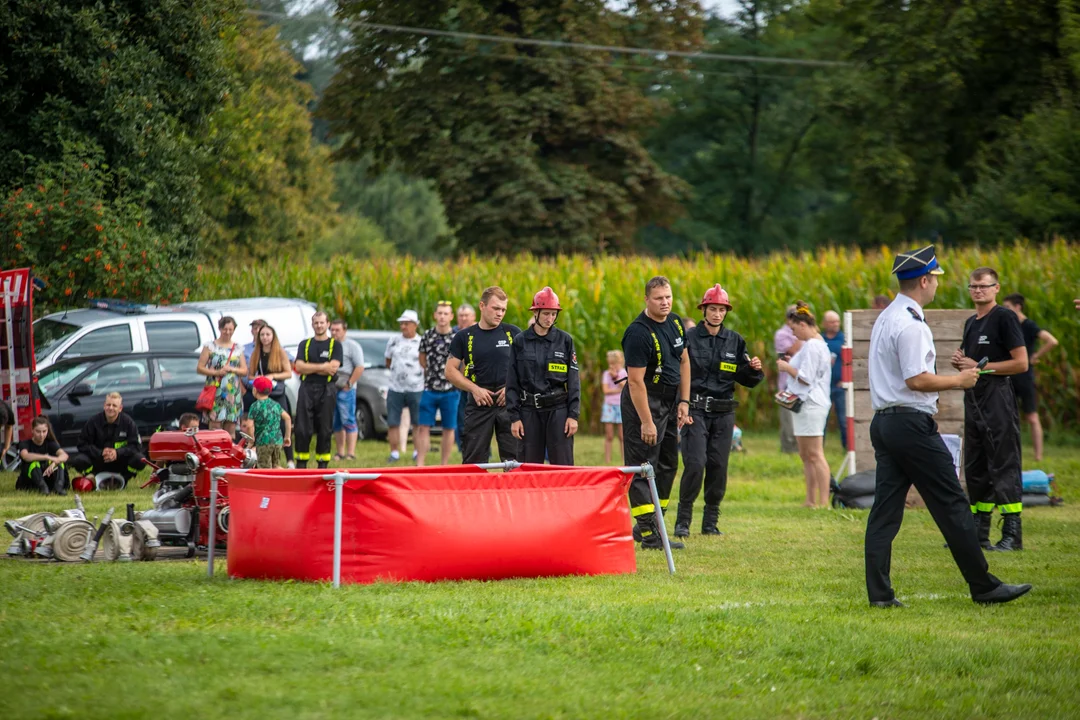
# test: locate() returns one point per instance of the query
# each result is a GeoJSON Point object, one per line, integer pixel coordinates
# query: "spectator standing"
{"type": "Point", "coordinates": [809, 370]}
{"type": "Point", "coordinates": [406, 378]}
{"type": "Point", "coordinates": [318, 362]}
{"type": "Point", "coordinates": [42, 467]}
{"type": "Point", "coordinates": [249, 350]}
{"type": "Point", "coordinates": [439, 394]}
{"type": "Point", "coordinates": [1024, 383]}
{"type": "Point", "coordinates": [110, 442]}
{"type": "Point", "coordinates": [484, 349]}
{"type": "Point", "coordinates": [272, 361]}
{"type": "Point", "coordinates": [611, 412]}
{"type": "Point", "coordinates": [352, 367]}
{"type": "Point", "coordinates": [268, 418]}
{"type": "Point", "coordinates": [223, 364]}
{"type": "Point", "coordinates": [834, 338]}
{"type": "Point", "coordinates": [786, 345]}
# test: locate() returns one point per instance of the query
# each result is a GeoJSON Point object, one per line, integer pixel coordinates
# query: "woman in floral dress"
{"type": "Point", "coordinates": [222, 362]}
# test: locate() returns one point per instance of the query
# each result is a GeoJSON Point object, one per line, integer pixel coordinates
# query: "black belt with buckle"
{"type": "Point", "coordinates": [899, 410]}
{"type": "Point", "coordinates": [544, 400]}
{"type": "Point", "coordinates": [713, 404]}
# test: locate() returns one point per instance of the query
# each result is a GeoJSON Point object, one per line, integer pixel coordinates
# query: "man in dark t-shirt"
{"type": "Point", "coordinates": [317, 360]}
{"type": "Point", "coordinates": [655, 404]}
{"type": "Point", "coordinates": [992, 460]}
{"type": "Point", "coordinates": [484, 349]}
{"type": "Point", "coordinates": [1024, 383]}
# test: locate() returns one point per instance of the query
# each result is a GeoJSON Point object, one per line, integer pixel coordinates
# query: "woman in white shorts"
{"type": "Point", "coordinates": [811, 369]}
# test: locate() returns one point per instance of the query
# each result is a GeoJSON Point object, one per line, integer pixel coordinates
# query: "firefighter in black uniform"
{"type": "Point", "coordinates": [110, 442]}
{"type": "Point", "coordinates": [484, 348]}
{"type": "Point", "coordinates": [991, 419]}
{"type": "Point", "coordinates": [718, 360]}
{"type": "Point", "coordinates": [655, 404]}
{"type": "Point", "coordinates": [317, 359]}
{"type": "Point", "coordinates": [543, 390]}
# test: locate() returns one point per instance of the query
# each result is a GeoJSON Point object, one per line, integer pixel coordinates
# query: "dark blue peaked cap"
{"type": "Point", "coordinates": [916, 263]}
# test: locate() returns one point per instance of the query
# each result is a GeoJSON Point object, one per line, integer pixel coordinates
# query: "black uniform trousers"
{"type": "Point", "coordinates": [479, 424]}
{"type": "Point", "coordinates": [664, 455]}
{"type": "Point", "coordinates": [909, 451]}
{"type": "Point", "coordinates": [32, 477]}
{"type": "Point", "coordinates": [315, 416]}
{"type": "Point", "coordinates": [992, 463]}
{"type": "Point", "coordinates": [545, 435]}
{"type": "Point", "coordinates": [128, 463]}
{"type": "Point", "coordinates": [706, 447]}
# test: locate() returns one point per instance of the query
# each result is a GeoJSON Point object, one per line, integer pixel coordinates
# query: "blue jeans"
{"type": "Point", "coordinates": [345, 411]}
{"type": "Point", "coordinates": [839, 399]}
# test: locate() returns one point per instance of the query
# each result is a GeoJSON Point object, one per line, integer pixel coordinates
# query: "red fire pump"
{"type": "Point", "coordinates": [182, 502]}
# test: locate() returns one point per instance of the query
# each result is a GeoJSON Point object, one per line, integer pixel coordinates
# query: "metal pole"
{"type": "Point", "coordinates": [215, 474]}
{"type": "Point", "coordinates": [508, 465]}
{"type": "Point", "coordinates": [339, 483]}
{"type": "Point", "coordinates": [650, 475]}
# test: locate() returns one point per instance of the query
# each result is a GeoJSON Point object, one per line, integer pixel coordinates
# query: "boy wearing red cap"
{"type": "Point", "coordinates": [273, 426]}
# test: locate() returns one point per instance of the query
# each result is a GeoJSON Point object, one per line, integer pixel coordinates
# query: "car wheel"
{"type": "Point", "coordinates": [365, 421]}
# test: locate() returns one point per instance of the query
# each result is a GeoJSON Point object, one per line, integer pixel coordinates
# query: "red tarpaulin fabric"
{"type": "Point", "coordinates": [432, 523]}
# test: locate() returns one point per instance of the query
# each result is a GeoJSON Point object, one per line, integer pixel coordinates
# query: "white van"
{"type": "Point", "coordinates": [116, 327]}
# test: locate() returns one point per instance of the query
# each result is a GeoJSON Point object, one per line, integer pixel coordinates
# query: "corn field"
{"type": "Point", "coordinates": [600, 296]}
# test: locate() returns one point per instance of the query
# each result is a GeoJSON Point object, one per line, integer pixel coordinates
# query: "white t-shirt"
{"type": "Point", "coordinates": [406, 375]}
{"type": "Point", "coordinates": [814, 363]}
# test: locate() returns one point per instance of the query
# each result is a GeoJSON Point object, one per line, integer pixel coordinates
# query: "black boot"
{"type": "Point", "coordinates": [708, 520]}
{"type": "Point", "coordinates": [1012, 534]}
{"type": "Point", "coordinates": [651, 539]}
{"type": "Point", "coordinates": [982, 528]}
{"type": "Point", "coordinates": [683, 520]}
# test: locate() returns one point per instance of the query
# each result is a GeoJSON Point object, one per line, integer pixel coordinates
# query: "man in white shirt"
{"type": "Point", "coordinates": [406, 378]}
{"type": "Point", "coordinates": [904, 390]}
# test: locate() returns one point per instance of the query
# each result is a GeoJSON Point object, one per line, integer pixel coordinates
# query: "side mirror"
{"type": "Point", "coordinates": [81, 390]}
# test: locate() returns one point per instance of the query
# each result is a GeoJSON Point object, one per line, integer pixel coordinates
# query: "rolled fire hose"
{"type": "Point", "coordinates": [69, 540]}
{"type": "Point", "coordinates": [144, 542]}
{"type": "Point", "coordinates": [117, 542]}
{"type": "Point", "coordinates": [21, 540]}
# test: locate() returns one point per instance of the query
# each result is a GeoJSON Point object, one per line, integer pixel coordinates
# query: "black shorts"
{"type": "Point", "coordinates": [1024, 387]}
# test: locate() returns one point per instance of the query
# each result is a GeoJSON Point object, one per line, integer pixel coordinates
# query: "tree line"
{"type": "Point", "coordinates": [141, 140]}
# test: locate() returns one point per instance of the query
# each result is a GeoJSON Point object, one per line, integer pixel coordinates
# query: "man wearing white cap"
{"type": "Point", "coordinates": [406, 378]}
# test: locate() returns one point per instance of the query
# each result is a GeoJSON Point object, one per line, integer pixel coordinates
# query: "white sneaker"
{"type": "Point", "coordinates": [415, 454]}
{"type": "Point", "coordinates": [291, 465]}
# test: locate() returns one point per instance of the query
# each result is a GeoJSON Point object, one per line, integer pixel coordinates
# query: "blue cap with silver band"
{"type": "Point", "coordinates": [916, 263]}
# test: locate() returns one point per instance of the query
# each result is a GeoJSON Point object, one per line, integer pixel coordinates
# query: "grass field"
{"type": "Point", "coordinates": [770, 620]}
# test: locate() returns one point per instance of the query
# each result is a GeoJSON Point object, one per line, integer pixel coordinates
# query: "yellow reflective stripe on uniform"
{"type": "Point", "coordinates": [663, 504]}
{"type": "Point", "coordinates": [307, 346]}
{"type": "Point", "coordinates": [1011, 508]}
{"type": "Point", "coordinates": [469, 364]}
{"type": "Point", "coordinates": [646, 533]}
{"type": "Point", "coordinates": [302, 455]}
{"type": "Point", "coordinates": [556, 367]}
{"type": "Point", "coordinates": [642, 510]}
{"type": "Point", "coordinates": [120, 444]}
{"type": "Point", "coordinates": [322, 457]}
{"type": "Point", "coordinates": [659, 358]}
{"type": "Point", "coordinates": [33, 466]}
{"type": "Point", "coordinates": [728, 367]}
{"type": "Point", "coordinates": [984, 507]}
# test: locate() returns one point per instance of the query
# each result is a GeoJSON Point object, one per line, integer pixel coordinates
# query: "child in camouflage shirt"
{"type": "Point", "coordinates": [268, 418]}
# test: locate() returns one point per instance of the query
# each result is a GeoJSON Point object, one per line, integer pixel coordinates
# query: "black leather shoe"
{"type": "Point", "coordinates": [654, 542]}
{"type": "Point", "coordinates": [1002, 594]}
{"type": "Point", "coordinates": [711, 531]}
{"type": "Point", "coordinates": [886, 603]}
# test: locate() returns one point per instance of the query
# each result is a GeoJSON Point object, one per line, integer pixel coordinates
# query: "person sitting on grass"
{"type": "Point", "coordinates": [42, 468]}
{"type": "Point", "coordinates": [267, 417]}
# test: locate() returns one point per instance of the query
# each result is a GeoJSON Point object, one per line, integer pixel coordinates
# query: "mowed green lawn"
{"type": "Point", "coordinates": [770, 620]}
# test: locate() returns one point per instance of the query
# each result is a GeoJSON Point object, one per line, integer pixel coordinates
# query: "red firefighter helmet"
{"type": "Point", "coordinates": [546, 299]}
{"type": "Point", "coordinates": [82, 485]}
{"type": "Point", "coordinates": [715, 295]}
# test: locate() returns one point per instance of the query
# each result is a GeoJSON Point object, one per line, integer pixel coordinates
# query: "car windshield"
{"type": "Point", "coordinates": [48, 334]}
{"type": "Point", "coordinates": [374, 351]}
{"type": "Point", "coordinates": [53, 378]}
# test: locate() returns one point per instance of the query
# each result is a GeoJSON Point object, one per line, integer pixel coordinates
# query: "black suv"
{"type": "Point", "coordinates": [157, 387]}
